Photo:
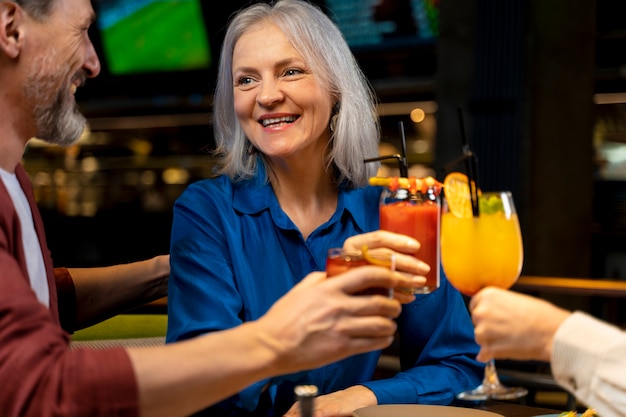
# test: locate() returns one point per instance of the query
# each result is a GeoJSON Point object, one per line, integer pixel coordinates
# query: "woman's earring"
{"type": "Point", "coordinates": [333, 123]}
{"type": "Point", "coordinates": [333, 119]}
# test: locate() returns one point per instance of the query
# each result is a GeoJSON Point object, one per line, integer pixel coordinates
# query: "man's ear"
{"type": "Point", "coordinates": [10, 29]}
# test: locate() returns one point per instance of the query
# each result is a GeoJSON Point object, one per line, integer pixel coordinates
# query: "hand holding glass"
{"type": "Point", "coordinates": [340, 261]}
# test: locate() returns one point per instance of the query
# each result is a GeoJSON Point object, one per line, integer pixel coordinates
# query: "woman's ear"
{"type": "Point", "coordinates": [10, 29]}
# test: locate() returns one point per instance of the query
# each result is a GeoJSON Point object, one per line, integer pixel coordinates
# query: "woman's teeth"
{"type": "Point", "coordinates": [278, 120]}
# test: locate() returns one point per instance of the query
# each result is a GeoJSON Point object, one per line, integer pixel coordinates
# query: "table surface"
{"type": "Point", "coordinates": [510, 409]}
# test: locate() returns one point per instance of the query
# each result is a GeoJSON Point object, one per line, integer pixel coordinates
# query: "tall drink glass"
{"type": "Point", "coordinates": [416, 211]}
{"type": "Point", "coordinates": [482, 251]}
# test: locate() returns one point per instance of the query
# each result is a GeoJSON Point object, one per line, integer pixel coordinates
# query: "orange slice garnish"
{"type": "Point", "coordinates": [375, 260]}
{"type": "Point", "coordinates": [456, 189]}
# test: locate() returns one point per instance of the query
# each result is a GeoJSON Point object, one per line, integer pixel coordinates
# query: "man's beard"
{"type": "Point", "coordinates": [57, 118]}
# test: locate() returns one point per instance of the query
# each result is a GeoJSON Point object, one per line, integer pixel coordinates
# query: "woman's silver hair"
{"type": "Point", "coordinates": [356, 133]}
{"type": "Point", "coordinates": [38, 9]}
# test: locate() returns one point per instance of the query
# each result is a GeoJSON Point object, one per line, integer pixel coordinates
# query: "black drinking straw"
{"type": "Point", "coordinates": [404, 166]}
{"type": "Point", "coordinates": [471, 166]}
{"type": "Point", "coordinates": [401, 158]}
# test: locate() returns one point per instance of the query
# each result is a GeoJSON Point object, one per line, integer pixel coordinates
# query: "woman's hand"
{"type": "Point", "coordinates": [410, 270]}
{"type": "Point", "coordinates": [339, 403]}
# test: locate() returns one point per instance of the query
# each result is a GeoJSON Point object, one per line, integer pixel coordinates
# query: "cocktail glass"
{"type": "Point", "coordinates": [416, 213]}
{"type": "Point", "coordinates": [480, 251]}
{"type": "Point", "coordinates": [339, 261]}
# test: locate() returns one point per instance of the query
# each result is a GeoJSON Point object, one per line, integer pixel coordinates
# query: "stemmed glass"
{"type": "Point", "coordinates": [479, 251]}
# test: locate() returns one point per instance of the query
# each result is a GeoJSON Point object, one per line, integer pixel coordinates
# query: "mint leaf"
{"type": "Point", "coordinates": [490, 205]}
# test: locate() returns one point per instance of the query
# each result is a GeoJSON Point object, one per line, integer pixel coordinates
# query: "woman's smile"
{"type": "Point", "coordinates": [275, 122]}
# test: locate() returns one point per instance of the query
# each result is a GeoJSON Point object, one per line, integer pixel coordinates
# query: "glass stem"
{"type": "Point", "coordinates": [491, 379]}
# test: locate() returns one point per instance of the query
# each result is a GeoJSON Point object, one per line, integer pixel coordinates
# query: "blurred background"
{"type": "Point", "coordinates": [541, 86]}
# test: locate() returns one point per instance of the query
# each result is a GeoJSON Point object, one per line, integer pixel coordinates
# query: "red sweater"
{"type": "Point", "coordinates": [39, 375]}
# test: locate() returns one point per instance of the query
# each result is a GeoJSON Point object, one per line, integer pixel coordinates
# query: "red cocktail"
{"type": "Point", "coordinates": [416, 213]}
{"type": "Point", "coordinates": [339, 261]}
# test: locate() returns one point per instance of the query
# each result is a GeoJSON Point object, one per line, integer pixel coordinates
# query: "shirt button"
{"type": "Point", "coordinates": [572, 383]}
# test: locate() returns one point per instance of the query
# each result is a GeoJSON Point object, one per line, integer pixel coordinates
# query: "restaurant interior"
{"type": "Point", "coordinates": [540, 87]}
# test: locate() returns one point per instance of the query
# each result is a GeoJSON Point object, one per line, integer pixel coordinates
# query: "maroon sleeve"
{"type": "Point", "coordinates": [66, 294]}
{"type": "Point", "coordinates": [39, 375]}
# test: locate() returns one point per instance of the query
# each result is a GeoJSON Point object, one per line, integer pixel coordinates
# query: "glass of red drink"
{"type": "Point", "coordinates": [339, 261]}
{"type": "Point", "coordinates": [415, 210]}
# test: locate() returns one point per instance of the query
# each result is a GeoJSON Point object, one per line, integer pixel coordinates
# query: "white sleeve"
{"type": "Point", "coordinates": [589, 360]}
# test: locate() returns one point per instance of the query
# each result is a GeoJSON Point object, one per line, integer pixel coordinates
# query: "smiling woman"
{"type": "Point", "coordinates": [294, 118]}
{"type": "Point", "coordinates": [282, 106]}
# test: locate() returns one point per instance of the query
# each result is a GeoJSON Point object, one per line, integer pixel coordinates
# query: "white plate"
{"type": "Point", "coordinates": [417, 410]}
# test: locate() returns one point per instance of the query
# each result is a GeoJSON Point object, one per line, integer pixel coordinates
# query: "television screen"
{"type": "Point", "coordinates": [161, 55]}
{"type": "Point", "coordinates": [385, 23]}
{"type": "Point", "coordinates": [395, 41]}
{"type": "Point", "coordinates": [153, 35]}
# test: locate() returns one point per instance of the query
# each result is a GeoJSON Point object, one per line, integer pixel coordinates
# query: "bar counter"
{"type": "Point", "coordinates": [574, 286]}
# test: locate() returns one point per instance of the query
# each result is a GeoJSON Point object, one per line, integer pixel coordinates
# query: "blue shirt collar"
{"type": "Point", "coordinates": [255, 195]}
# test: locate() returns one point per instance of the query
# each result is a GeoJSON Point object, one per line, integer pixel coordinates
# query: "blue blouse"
{"type": "Point", "coordinates": [234, 252]}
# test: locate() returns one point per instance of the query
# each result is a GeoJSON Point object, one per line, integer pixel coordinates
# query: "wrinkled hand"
{"type": "Point", "coordinates": [411, 269]}
{"type": "Point", "coordinates": [510, 325]}
{"type": "Point", "coordinates": [339, 403]}
{"type": "Point", "coordinates": [319, 321]}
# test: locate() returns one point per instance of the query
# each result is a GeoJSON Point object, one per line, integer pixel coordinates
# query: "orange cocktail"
{"type": "Point", "coordinates": [484, 250]}
{"type": "Point", "coordinates": [481, 245]}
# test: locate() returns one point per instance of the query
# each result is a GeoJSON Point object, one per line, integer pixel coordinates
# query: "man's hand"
{"type": "Point", "coordinates": [510, 325]}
